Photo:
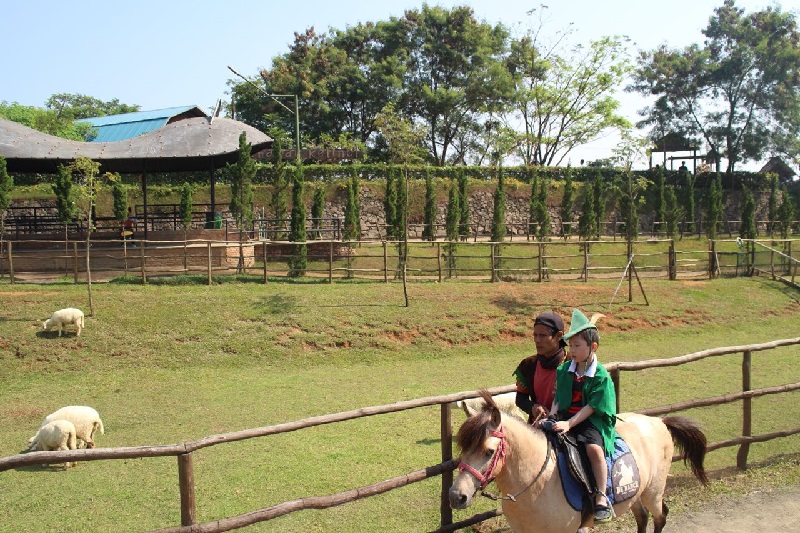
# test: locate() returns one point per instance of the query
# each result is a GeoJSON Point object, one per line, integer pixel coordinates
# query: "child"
{"type": "Point", "coordinates": [585, 403]}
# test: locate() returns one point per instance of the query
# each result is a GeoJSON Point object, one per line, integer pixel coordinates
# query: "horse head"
{"type": "Point", "coordinates": [483, 448]}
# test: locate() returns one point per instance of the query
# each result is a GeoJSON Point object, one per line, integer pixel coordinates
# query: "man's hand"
{"type": "Point", "coordinates": [538, 412]}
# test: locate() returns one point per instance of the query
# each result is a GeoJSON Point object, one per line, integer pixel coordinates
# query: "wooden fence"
{"type": "Point", "coordinates": [517, 261]}
{"type": "Point", "coordinates": [184, 451]}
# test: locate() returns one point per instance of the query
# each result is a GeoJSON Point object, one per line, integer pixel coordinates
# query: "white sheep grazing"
{"type": "Point", "coordinates": [506, 402]}
{"type": "Point", "coordinates": [85, 419]}
{"type": "Point", "coordinates": [62, 317]}
{"type": "Point", "coordinates": [55, 435]}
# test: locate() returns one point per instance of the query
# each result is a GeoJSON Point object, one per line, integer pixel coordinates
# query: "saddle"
{"type": "Point", "coordinates": [578, 480]}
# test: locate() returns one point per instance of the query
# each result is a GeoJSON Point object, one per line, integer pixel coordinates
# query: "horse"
{"type": "Point", "coordinates": [519, 458]}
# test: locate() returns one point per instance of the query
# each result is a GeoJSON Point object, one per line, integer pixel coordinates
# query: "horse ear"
{"type": "Point", "coordinates": [491, 406]}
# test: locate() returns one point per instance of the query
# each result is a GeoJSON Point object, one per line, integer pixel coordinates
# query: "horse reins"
{"type": "Point", "coordinates": [500, 453]}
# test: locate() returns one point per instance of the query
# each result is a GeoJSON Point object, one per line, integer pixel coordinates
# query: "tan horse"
{"type": "Point", "coordinates": [518, 457]}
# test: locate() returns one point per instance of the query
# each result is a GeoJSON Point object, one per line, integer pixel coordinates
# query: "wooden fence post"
{"type": "Point", "coordinates": [330, 262]}
{"type": "Point", "coordinates": [75, 262]}
{"type": "Point", "coordinates": [672, 269]}
{"type": "Point", "coordinates": [385, 264]}
{"type": "Point", "coordinates": [186, 481]}
{"type": "Point", "coordinates": [208, 245]}
{"type": "Point", "coordinates": [439, 259]}
{"type": "Point", "coordinates": [10, 262]}
{"type": "Point", "coordinates": [586, 262]}
{"type": "Point", "coordinates": [264, 258]}
{"type": "Point", "coordinates": [491, 258]}
{"type": "Point", "coordinates": [144, 268]}
{"type": "Point", "coordinates": [615, 379]}
{"type": "Point", "coordinates": [447, 454]}
{"type": "Point", "coordinates": [747, 414]}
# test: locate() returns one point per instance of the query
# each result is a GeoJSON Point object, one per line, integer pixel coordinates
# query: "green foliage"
{"type": "Point", "coordinates": [429, 229]}
{"type": "Point", "coordinates": [279, 181]}
{"type": "Point", "coordinates": [186, 205]}
{"type": "Point", "coordinates": [565, 97]}
{"type": "Point", "coordinates": [738, 90]}
{"type": "Point", "coordinates": [661, 201]}
{"type": "Point", "coordinates": [297, 233]}
{"type": "Point", "coordinates": [772, 208]}
{"type": "Point", "coordinates": [499, 211]}
{"type": "Point", "coordinates": [688, 198]}
{"type": "Point", "coordinates": [673, 213]}
{"type": "Point", "coordinates": [6, 184]}
{"type": "Point", "coordinates": [317, 209]}
{"type": "Point", "coordinates": [453, 213]}
{"type": "Point", "coordinates": [45, 120]}
{"type": "Point", "coordinates": [352, 225]}
{"type": "Point", "coordinates": [587, 218]}
{"type": "Point", "coordinates": [66, 197]}
{"type": "Point", "coordinates": [120, 197]}
{"type": "Point", "coordinates": [402, 136]}
{"type": "Point", "coordinates": [463, 203]}
{"type": "Point", "coordinates": [566, 204]}
{"type": "Point", "coordinates": [533, 203]}
{"type": "Point", "coordinates": [599, 203]}
{"type": "Point", "coordinates": [542, 213]}
{"type": "Point", "coordinates": [629, 210]}
{"type": "Point", "coordinates": [241, 176]}
{"type": "Point", "coordinates": [78, 106]}
{"type": "Point", "coordinates": [714, 209]}
{"type": "Point", "coordinates": [786, 212]}
{"type": "Point", "coordinates": [748, 228]}
{"type": "Point", "coordinates": [390, 205]}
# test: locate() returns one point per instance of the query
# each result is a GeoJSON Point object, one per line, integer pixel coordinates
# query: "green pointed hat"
{"type": "Point", "coordinates": [579, 323]}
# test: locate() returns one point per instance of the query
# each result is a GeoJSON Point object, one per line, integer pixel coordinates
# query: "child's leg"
{"type": "Point", "coordinates": [600, 471]}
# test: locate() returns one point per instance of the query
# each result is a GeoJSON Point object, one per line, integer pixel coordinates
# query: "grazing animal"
{"type": "Point", "coordinates": [55, 435]}
{"type": "Point", "coordinates": [518, 457]}
{"type": "Point", "coordinates": [506, 402]}
{"type": "Point", "coordinates": [85, 419]}
{"type": "Point", "coordinates": [63, 317]}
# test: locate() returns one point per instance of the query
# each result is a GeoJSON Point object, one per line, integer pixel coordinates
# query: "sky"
{"type": "Point", "coordinates": [177, 52]}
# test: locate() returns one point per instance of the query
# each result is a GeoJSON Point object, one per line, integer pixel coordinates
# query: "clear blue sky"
{"type": "Point", "coordinates": [176, 52]}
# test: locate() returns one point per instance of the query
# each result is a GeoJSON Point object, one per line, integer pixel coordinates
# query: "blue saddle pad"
{"type": "Point", "coordinates": [623, 478]}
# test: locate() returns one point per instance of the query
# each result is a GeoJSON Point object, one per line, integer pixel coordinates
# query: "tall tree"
{"type": "Point", "coordinates": [564, 97]}
{"type": "Point", "coordinates": [714, 208]}
{"type": "Point", "coordinates": [317, 210]}
{"type": "Point", "coordinates": [673, 213]}
{"type": "Point", "coordinates": [542, 213]}
{"type": "Point", "coordinates": [390, 205]}
{"type": "Point", "coordinates": [241, 176]}
{"type": "Point", "coordinates": [463, 203]}
{"type": "Point", "coordinates": [498, 222]}
{"type": "Point", "coordinates": [454, 73]}
{"type": "Point", "coordinates": [297, 232]}
{"type": "Point", "coordinates": [772, 208]}
{"type": "Point", "coordinates": [429, 228]}
{"type": "Point", "coordinates": [45, 120]}
{"type": "Point", "coordinates": [599, 203]}
{"type": "Point", "coordinates": [533, 203]}
{"type": "Point", "coordinates": [688, 200]}
{"type": "Point", "coordinates": [786, 212]}
{"type": "Point", "coordinates": [566, 205]}
{"type": "Point", "coordinates": [587, 218]}
{"type": "Point", "coordinates": [78, 106]}
{"type": "Point", "coordinates": [86, 172]}
{"type": "Point", "coordinates": [66, 199]}
{"type": "Point", "coordinates": [352, 227]}
{"type": "Point", "coordinates": [452, 219]}
{"type": "Point", "coordinates": [740, 91]}
{"type": "Point", "coordinates": [280, 183]}
{"type": "Point", "coordinates": [661, 200]}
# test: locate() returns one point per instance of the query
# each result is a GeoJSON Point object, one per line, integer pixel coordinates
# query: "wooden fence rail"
{"type": "Point", "coordinates": [185, 466]}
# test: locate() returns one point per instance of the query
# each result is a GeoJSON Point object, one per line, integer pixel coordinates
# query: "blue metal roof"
{"type": "Point", "coordinates": [129, 125]}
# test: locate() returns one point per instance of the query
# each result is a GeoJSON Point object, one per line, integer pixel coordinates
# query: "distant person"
{"type": "Point", "coordinates": [129, 226]}
{"type": "Point", "coordinates": [536, 375]}
{"type": "Point", "coordinates": [683, 169]}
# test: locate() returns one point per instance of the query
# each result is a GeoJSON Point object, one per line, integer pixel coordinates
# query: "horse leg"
{"type": "Point", "coordinates": [641, 516]}
{"type": "Point", "coordinates": [660, 521]}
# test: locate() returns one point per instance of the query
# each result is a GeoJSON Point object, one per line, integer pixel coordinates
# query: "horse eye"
{"type": "Point", "coordinates": [489, 453]}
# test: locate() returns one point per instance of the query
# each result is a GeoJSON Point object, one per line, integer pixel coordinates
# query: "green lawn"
{"type": "Point", "coordinates": [168, 363]}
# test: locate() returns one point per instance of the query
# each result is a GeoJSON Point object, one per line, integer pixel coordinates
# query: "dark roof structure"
{"type": "Point", "coordinates": [113, 128]}
{"type": "Point", "coordinates": [776, 165]}
{"type": "Point", "coordinates": [198, 143]}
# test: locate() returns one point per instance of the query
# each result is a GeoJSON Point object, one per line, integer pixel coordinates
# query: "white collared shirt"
{"type": "Point", "coordinates": [589, 371]}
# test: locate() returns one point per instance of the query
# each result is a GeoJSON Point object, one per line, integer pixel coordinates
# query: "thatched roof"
{"type": "Point", "coordinates": [776, 165]}
{"type": "Point", "coordinates": [192, 144]}
{"type": "Point", "coordinates": [674, 142]}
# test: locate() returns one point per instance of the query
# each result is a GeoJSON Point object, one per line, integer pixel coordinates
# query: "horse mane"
{"type": "Point", "coordinates": [475, 429]}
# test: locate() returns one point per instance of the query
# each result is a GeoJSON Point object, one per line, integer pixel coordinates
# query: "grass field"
{"type": "Point", "coordinates": [168, 363]}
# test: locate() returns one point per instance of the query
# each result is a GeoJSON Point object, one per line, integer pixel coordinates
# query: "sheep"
{"type": "Point", "coordinates": [62, 317]}
{"type": "Point", "coordinates": [55, 435]}
{"type": "Point", "coordinates": [85, 419]}
{"type": "Point", "coordinates": [506, 402]}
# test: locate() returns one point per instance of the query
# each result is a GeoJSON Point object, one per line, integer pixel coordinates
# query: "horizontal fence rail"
{"type": "Point", "coordinates": [444, 469]}
{"type": "Point", "coordinates": [25, 260]}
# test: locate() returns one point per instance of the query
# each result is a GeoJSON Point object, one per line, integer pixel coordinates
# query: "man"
{"type": "Point", "coordinates": [536, 375]}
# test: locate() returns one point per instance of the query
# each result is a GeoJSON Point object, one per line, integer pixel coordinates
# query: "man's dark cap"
{"type": "Point", "coordinates": [551, 320]}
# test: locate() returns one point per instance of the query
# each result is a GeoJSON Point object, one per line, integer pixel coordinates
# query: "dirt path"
{"type": "Point", "coordinates": [761, 511]}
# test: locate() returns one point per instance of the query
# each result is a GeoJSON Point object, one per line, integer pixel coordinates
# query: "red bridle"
{"type": "Point", "coordinates": [487, 476]}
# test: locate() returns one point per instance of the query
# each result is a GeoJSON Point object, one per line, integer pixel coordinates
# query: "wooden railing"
{"type": "Point", "coordinates": [445, 469]}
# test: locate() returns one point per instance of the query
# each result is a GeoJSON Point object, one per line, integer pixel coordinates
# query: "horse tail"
{"type": "Point", "coordinates": [690, 441]}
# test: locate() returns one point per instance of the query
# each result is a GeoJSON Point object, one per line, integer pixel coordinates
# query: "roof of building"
{"type": "Point", "coordinates": [197, 143]}
{"type": "Point", "coordinates": [777, 166]}
{"type": "Point", "coordinates": [112, 128]}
